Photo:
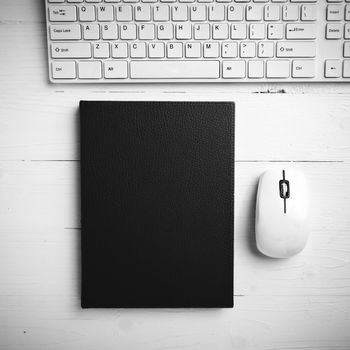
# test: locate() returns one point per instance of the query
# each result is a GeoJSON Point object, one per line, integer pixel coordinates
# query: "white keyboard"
{"type": "Point", "coordinates": [104, 41]}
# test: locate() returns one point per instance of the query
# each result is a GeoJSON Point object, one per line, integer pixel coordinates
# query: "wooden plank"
{"type": "Point", "coordinates": [40, 221]}
{"type": "Point", "coordinates": [18, 11]}
{"type": "Point", "coordinates": [256, 323]}
{"type": "Point", "coordinates": [268, 127]}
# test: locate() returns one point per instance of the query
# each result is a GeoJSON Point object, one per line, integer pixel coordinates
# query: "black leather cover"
{"type": "Point", "coordinates": [157, 190]}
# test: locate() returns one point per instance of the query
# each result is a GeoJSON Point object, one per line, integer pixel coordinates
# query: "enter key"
{"type": "Point", "coordinates": [296, 49]}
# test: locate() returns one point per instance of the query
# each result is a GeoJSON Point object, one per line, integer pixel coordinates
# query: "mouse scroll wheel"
{"type": "Point", "coordinates": [284, 188]}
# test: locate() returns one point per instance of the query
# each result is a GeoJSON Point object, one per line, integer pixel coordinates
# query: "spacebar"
{"type": "Point", "coordinates": [174, 69]}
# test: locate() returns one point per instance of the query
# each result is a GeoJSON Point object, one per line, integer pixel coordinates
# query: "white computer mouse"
{"type": "Point", "coordinates": [282, 213]}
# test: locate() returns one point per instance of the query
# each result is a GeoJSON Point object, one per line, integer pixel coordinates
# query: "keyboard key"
{"type": "Point", "coordinates": [332, 68]}
{"type": "Point", "coordinates": [346, 50]}
{"type": "Point", "coordinates": [63, 70]}
{"type": "Point", "coordinates": [347, 13]}
{"type": "Point", "coordinates": [265, 49]}
{"type": "Point", "coordinates": [301, 31]}
{"type": "Point", "coordinates": [138, 50]}
{"type": "Point", "coordinates": [87, 13]}
{"type": "Point", "coordinates": [290, 12]}
{"type": "Point", "coordinates": [70, 50]}
{"type": "Point", "coordinates": [247, 49]}
{"type": "Point", "coordinates": [101, 50]}
{"type": "Point", "coordinates": [193, 50]}
{"type": "Point", "coordinates": [165, 31]}
{"type": "Point", "coordinates": [296, 49]}
{"type": "Point", "coordinates": [142, 13]}
{"type": "Point", "coordinates": [91, 31]}
{"type": "Point", "coordinates": [335, 12]}
{"type": "Point", "coordinates": [183, 31]}
{"type": "Point", "coordinates": [275, 31]}
{"type": "Point", "coordinates": [202, 31]}
{"type": "Point", "coordinates": [235, 13]}
{"type": "Point", "coordinates": [229, 49]}
{"type": "Point", "coordinates": [303, 0]}
{"type": "Point", "coordinates": [346, 69]}
{"type": "Point", "coordinates": [256, 69]}
{"type": "Point", "coordinates": [277, 69]}
{"type": "Point", "coordinates": [272, 13]}
{"type": "Point", "coordinates": [211, 50]}
{"type": "Point", "coordinates": [65, 32]}
{"type": "Point", "coordinates": [89, 70]}
{"type": "Point", "coordinates": [347, 31]}
{"type": "Point", "coordinates": [156, 50]}
{"type": "Point", "coordinates": [124, 13]}
{"type": "Point", "coordinates": [161, 13]}
{"type": "Point", "coordinates": [115, 69]}
{"type": "Point", "coordinates": [119, 50]}
{"type": "Point", "coordinates": [174, 69]}
{"type": "Point", "coordinates": [62, 13]}
{"type": "Point", "coordinates": [253, 13]}
{"type": "Point", "coordinates": [334, 31]}
{"type": "Point", "coordinates": [233, 69]}
{"type": "Point", "coordinates": [180, 12]}
{"type": "Point", "coordinates": [128, 31]}
{"type": "Point", "coordinates": [308, 12]}
{"type": "Point", "coordinates": [257, 31]}
{"type": "Point", "coordinates": [238, 31]}
{"type": "Point", "coordinates": [220, 31]}
{"type": "Point", "coordinates": [109, 31]}
{"type": "Point", "coordinates": [216, 12]}
{"type": "Point", "coordinates": [105, 13]}
{"type": "Point", "coordinates": [174, 50]}
{"type": "Point", "coordinates": [198, 13]}
{"type": "Point", "coordinates": [146, 31]}
{"type": "Point", "coordinates": [303, 69]}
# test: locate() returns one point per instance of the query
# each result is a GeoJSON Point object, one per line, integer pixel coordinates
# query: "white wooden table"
{"type": "Point", "coordinates": [299, 303]}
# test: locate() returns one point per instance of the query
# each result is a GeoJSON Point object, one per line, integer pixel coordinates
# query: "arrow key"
{"type": "Point", "coordinates": [332, 69]}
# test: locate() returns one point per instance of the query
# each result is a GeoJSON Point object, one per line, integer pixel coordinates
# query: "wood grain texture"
{"type": "Point", "coordinates": [299, 303]}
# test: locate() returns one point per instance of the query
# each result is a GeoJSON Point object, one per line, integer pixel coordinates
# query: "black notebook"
{"type": "Point", "coordinates": [157, 194]}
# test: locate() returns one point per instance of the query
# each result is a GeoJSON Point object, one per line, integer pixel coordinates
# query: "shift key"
{"type": "Point", "coordinates": [301, 31]}
{"type": "Point", "coordinates": [296, 49]}
{"type": "Point", "coordinates": [70, 50]}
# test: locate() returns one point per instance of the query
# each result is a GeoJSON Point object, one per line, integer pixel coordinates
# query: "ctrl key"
{"type": "Point", "coordinates": [63, 70]}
